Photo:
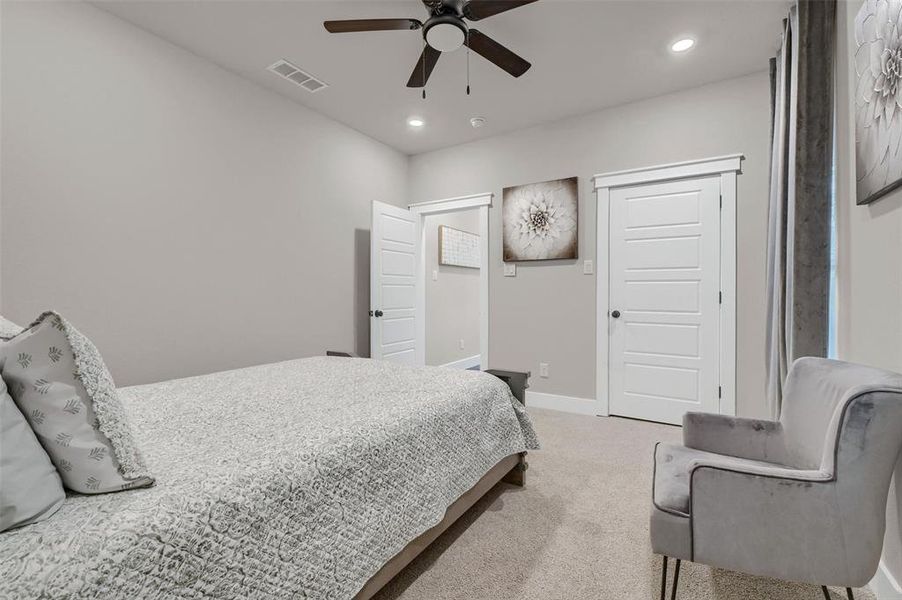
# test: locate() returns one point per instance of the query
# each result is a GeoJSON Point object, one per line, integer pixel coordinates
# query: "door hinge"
{"type": "Point", "coordinates": [720, 297]}
{"type": "Point", "coordinates": [719, 392]}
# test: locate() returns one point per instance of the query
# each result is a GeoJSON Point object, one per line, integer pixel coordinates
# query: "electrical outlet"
{"type": "Point", "coordinates": [434, 275]}
{"type": "Point", "coordinates": [461, 343]}
{"type": "Point", "coordinates": [510, 269]}
{"type": "Point", "coordinates": [588, 267]}
{"type": "Point", "coordinates": [543, 370]}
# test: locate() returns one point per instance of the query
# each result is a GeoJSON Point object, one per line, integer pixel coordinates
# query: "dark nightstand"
{"type": "Point", "coordinates": [517, 381]}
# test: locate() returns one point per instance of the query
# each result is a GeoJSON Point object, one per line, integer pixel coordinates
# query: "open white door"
{"type": "Point", "coordinates": [394, 252]}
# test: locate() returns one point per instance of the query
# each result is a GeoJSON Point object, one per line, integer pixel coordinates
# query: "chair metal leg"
{"type": "Point", "coordinates": [849, 594]}
{"type": "Point", "coordinates": [676, 578]}
{"type": "Point", "coordinates": [664, 579]}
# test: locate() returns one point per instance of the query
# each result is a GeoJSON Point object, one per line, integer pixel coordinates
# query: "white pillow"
{"type": "Point", "coordinates": [59, 382]}
{"type": "Point", "coordinates": [30, 488]}
{"type": "Point", "coordinates": [8, 329]}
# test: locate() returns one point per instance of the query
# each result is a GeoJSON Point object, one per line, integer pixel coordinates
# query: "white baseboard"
{"type": "Point", "coordinates": [464, 363]}
{"type": "Point", "coordinates": [579, 406]}
{"type": "Point", "coordinates": [884, 585]}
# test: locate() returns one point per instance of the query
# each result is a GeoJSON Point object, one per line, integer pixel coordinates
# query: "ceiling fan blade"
{"type": "Point", "coordinates": [355, 25]}
{"type": "Point", "coordinates": [481, 9]}
{"type": "Point", "coordinates": [496, 53]}
{"type": "Point", "coordinates": [424, 67]}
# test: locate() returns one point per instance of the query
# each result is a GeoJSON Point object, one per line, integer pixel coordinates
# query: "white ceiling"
{"type": "Point", "coordinates": [586, 55]}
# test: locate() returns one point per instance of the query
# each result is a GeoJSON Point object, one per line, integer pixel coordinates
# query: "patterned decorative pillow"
{"type": "Point", "coordinates": [58, 380]}
{"type": "Point", "coordinates": [30, 488]}
{"type": "Point", "coordinates": [8, 329]}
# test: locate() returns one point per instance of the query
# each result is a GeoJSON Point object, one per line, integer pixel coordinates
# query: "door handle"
{"type": "Point", "coordinates": [615, 314]}
{"type": "Point", "coordinates": [378, 313]}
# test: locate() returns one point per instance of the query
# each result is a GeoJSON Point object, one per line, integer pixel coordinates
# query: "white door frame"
{"type": "Point", "coordinates": [727, 167]}
{"type": "Point", "coordinates": [434, 207]}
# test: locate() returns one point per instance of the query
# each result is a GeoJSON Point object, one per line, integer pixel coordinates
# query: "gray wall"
{"type": "Point", "coordinates": [185, 219]}
{"type": "Point", "coordinates": [116, 164]}
{"type": "Point", "coordinates": [869, 266]}
{"type": "Point", "coordinates": [547, 312]}
{"type": "Point", "coordinates": [452, 302]}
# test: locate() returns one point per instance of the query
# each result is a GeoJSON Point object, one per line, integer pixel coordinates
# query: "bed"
{"type": "Point", "coordinates": [315, 478]}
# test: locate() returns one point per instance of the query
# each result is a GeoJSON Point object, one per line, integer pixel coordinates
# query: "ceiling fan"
{"type": "Point", "coordinates": [446, 30]}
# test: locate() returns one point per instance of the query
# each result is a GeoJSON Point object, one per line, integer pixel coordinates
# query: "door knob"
{"type": "Point", "coordinates": [378, 313]}
{"type": "Point", "coordinates": [615, 314]}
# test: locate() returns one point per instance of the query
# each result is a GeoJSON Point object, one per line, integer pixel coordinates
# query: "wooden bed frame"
{"type": "Point", "coordinates": [511, 469]}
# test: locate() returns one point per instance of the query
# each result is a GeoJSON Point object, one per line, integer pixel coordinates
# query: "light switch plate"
{"type": "Point", "coordinates": [543, 370]}
{"type": "Point", "coordinates": [588, 267]}
{"type": "Point", "coordinates": [434, 275]}
{"type": "Point", "coordinates": [510, 269]}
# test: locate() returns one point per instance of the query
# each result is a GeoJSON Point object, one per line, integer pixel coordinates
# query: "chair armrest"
{"type": "Point", "coordinates": [753, 439]}
{"type": "Point", "coordinates": [776, 522]}
{"type": "Point", "coordinates": [775, 472]}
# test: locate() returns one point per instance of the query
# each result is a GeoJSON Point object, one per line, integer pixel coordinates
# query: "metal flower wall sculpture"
{"type": "Point", "coordinates": [540, 221]}
{"type": "Point", "coordinates": [878, 98]}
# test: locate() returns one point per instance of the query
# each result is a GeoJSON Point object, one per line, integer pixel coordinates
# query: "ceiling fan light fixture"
{"type": "Point", "coordinates": [447, 30]}
{"type": "Point", "coordinates": [445, 33]}
{"type": "Point", "coordinates": [416, 122]}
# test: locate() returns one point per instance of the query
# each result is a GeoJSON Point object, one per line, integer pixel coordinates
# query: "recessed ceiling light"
{"type": "Point", "coordinates": [416, 122]}
{"type": "Point", "coordinates": [682, 45]}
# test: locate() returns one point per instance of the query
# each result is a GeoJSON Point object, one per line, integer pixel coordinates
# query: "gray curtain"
{"type": "Point", "coordinates": [801, 190]}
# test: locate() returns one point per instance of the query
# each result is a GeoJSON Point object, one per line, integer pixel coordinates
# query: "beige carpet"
{"type": "Point", "coordinates": [578, 530]}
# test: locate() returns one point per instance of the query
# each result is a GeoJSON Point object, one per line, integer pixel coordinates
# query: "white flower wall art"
{"type": "Point", "coordinates": [540, 221]}
{"type": "Point", "coordinates": [878, 98]}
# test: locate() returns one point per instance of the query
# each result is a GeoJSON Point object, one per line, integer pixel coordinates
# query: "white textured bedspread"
{"type": "Point", "coordinates": [292, 480]}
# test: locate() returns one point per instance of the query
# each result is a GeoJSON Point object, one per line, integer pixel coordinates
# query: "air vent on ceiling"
{"type": "Point", "coordinates": [286, 70]}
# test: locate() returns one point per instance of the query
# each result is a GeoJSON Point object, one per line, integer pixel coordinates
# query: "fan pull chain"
{"type": "Point", "coordinates": [424, 68]}
{"type": "Point", "coordinates": [468, 62]}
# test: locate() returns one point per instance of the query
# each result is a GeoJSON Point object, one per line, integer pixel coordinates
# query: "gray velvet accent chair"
{"type": "Point", "coordinates": [800, 499]}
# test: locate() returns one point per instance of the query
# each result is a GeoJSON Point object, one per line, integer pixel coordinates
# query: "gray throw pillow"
{"type": "Point", "coordinates": [8, 329]}
{"type": "Point", "coordinates": [30, 487]}
{"type": "Point", "coordinates": [59, 381]}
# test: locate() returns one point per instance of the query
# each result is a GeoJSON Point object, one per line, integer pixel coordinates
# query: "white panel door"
{"type": "Point", "coordinates": [664, 299]}
{"type": "Point", "coordinates": [394, 251]}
